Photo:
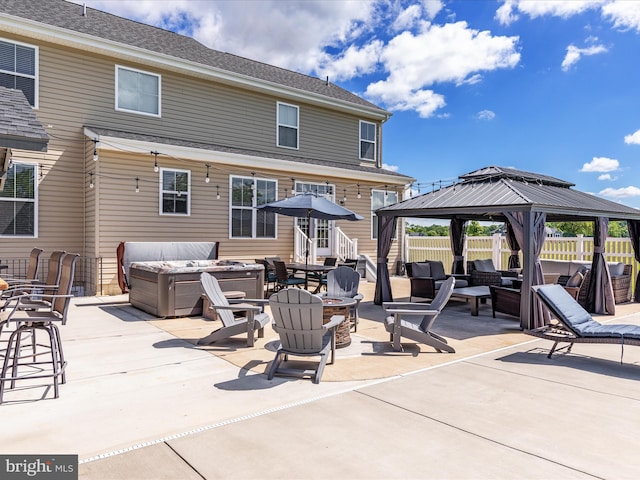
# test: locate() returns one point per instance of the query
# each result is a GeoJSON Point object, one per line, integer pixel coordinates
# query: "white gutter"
{"type": "Point", "coordinates": [73, 39]}
{"type": "Point", "coordinates": [126, 145]}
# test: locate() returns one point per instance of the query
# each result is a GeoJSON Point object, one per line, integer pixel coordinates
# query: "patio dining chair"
{"type": "Point", "coordinates": [284, 279]}
{"type": "Point", "coordinates": [401, 323]}
{"type": "Point", "coordinates": [269, 273]}
{"type": "Point", "coordinates": [32, 270]}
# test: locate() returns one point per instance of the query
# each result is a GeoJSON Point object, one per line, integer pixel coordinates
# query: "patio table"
{"type": "Point", "coordinates": [309, 267]}
{"type": "Point", "coordinates": [475, 294]}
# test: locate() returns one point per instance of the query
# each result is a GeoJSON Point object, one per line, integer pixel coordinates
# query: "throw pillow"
{"type": "Point", "coordinates": [420, 270]}
{"type": "Point", "coordinates": [575, 280]}
{"type": "Point", "coordinates": [484, 265]}
{"type": "Point", "coordinates": [616, 269]}
{"type": "Point", "coordinates": [437, 271]}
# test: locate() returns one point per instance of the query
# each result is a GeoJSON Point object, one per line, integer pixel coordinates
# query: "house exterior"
{"type": "Point", "coordinates": [155, 137]}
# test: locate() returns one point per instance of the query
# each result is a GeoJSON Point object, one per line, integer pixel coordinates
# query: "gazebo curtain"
{"type": "Point", "coordinates": [517, 219]}
{"type": "Point", "coordinates": [457, 236]}
{"type": "Point", "coordinates": [514, 246]}
{"type": "Point", "coordinates": [600, 293]}
{"type": "Point", "coordinates": [386, 229]}
{"type": "Point", "coordinates": [634, 234]}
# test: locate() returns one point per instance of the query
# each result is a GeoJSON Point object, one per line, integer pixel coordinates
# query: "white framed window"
{"type": "Point", "coordinates": [175, 192]}
{"type": "Point", "coordinates": [19, 68]}
{"type": "Point", "coordinates": [247, 221]}
{"type": "Point", "coordinates": [138, 91]}
{"type": "Point", "coordinates": [288, 132]}
{"type": "Point", "coordinates": [19, 202]}
{"type": "Point", "coordinates": [367, 140]}
{"type": "Point", "coordinates": [379, 199]}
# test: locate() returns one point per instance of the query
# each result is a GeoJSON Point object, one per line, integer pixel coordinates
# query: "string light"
{"type": "Point", "coordinates": [95, 149]}
{"type": "Point", "coordinates": [359, 195]}
{"type": "Point", "coordinates": [91, 180]}
{"type": "Point", "coordinates": [217, 192]}
{"type": "Point", "coordinates": [155, 164]}
{"type": "Point", "coordinates": [207, 179]}
{"type": "Point", "coordinates": [344, 198]}
{"type": "Point", "coordinates": [293, 186]}
{"type": "Point", "coordinates": [253, 180]}
{"type": "Point", "coordinates": [137, 184]}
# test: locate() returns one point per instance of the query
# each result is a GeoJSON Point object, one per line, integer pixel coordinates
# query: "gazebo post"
{"type": "Point", "coordinates": [528, 272]}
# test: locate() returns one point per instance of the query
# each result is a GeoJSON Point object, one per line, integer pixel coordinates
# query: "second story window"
{"type": "Point", "coordinates": [175, 188]}
{"type": "Point", "coordinates": [287, 125]}
{"type": "Point", "coordinates": [367, 141]}
{"type": "Point", "coordinates": [18, 67]}
{"type": "Point", "coordinates": [137, 91]}
{"type": "Point", "coordinates": [18, 202]}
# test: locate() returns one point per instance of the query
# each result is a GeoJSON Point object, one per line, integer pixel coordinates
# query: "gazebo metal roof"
{"type": "Point", "coordinates": [486, 193]}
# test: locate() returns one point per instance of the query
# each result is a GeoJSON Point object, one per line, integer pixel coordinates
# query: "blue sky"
{"type": "Point", "coordinates": [545, 86]}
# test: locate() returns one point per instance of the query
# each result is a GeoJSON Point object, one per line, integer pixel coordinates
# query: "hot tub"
{"type": "Point", "coordinates": [172, 289]}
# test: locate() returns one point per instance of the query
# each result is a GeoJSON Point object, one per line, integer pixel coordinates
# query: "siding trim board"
{"type": "Point", "coordinates": [294, 166]}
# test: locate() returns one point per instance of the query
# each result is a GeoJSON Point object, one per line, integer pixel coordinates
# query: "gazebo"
{"type": "Point", "coordinates": [525, 202]}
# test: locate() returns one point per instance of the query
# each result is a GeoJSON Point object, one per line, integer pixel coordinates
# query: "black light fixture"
{"type": "Point", "coordinates": [344, 196]}
{"type": "Point", "coordinates": [155, 164]}
{"type": "Point", "coordinates": [217, 192]}
{"type": "Point", "coordinates": [359, 195]}
{"type": "Point", "coordinates": [90, 179]}
{"type": "Point", "coordinates": [95, 149]}
{"type": "Point", "coordinates": [137, 184]}
{"type": "Point", "coordinates": [206, 178]}
{"type": "Point", "coordinates": [293, 186]}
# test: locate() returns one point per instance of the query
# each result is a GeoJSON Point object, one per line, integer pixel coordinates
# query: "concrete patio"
{"type": "Point", "coordinates": [142, 402]}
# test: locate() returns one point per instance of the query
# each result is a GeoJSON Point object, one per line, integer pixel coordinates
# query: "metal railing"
{"type": "Point", "coordinates": [85, 281]}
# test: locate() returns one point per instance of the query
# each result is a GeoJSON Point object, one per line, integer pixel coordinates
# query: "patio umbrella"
{"type": "Point", "coordinates": [309, 205]}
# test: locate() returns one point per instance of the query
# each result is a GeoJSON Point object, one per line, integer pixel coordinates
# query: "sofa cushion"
{"type": "Point", "coordinates": [437, 270]}
{"type": "Point", "coordinates": [575, 280]}
{"type": "Point", "coordinates": [555, 266]}
{"type": "Point", "coordinates": [616, 269]}
{"type": "Point", "coordinates": [420, 270]}
{"type": "Point", "coordinates": [484, 265]}
{"type": "Point", "coordinates": [576, 266]}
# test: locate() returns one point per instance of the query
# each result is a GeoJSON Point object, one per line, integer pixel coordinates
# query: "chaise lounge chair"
{"type": "Point", "coordinates": [575, 324]}
{"type": "Point", "coordinates": [420, 331]}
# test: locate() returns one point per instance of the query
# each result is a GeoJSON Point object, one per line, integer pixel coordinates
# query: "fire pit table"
{"type": "Point", "coordinates": [339, 306]}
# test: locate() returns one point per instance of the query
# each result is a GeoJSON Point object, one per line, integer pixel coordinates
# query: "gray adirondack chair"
{"type": "Point", "coordinates": [344, 281]}
{"type": "Point", "coordinates": [254, 318]}
{"type": "Point", "coordinates": [400, 323]}
{"type": "Point", "coordinates": [298, 319]}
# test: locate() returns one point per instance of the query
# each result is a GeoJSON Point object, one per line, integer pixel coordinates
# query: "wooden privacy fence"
{"type": "Point", "coordinates": [496, 247]}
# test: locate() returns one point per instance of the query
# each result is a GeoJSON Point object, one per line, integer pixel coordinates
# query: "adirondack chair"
{"type": "Point", "coordinates": [31, 321]}
{"type": "Point", "coordinates": [253, 319]}
{"type": "Point", "coordinates": [399, 323]}
{"type": "Point", "coordinates": [298, 319]}
{"type": "Point", "coordinates": [344, 282]}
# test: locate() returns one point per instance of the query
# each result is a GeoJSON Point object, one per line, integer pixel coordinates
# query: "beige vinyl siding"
{"type": "Point", "coordinates": [76, 90]}
{"type": "Point", "coordinates": [192, 109]}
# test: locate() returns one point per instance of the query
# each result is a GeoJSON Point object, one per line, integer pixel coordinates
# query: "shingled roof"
{"type": "Point", "coordinates": [66, 15]}
{"type": "Point", "coordinates": [486, 193]}
{"type": "Point", "coordinates": [19, 126]}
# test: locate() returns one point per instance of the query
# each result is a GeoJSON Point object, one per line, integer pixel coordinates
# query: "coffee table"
{"type": "Point", "coordinates": [474, 294]}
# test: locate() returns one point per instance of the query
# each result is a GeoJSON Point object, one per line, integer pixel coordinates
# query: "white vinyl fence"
{"type": "Point", "coordinates": [496, 247]}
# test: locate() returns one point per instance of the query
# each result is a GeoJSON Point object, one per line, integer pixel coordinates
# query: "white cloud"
{"type": "Point", "coordinates": [624, 14]}
{"type": "Point", "coordinates": [486, 115]}
{"type": "Point", "coordinates": [444, 53]}
{"type": "Point", "coordinates": [607, 176]}
{"type": "Point", "coordinates": [407, 18]}
{"type": "Point", "coordinates": [353, 62]}
{"type": "Point", "coordinates": [634, 138]}
{"type": "Point", "coordinates": [601, 164]}
{"type": "Point", "coordinates": [574, 54]}
{"type": "Point", "coordinates": [621, 192]}
{"type": "Point", "coordinates": [392, 168]}
{"type": "Point", "coordinates": [507, 13]}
